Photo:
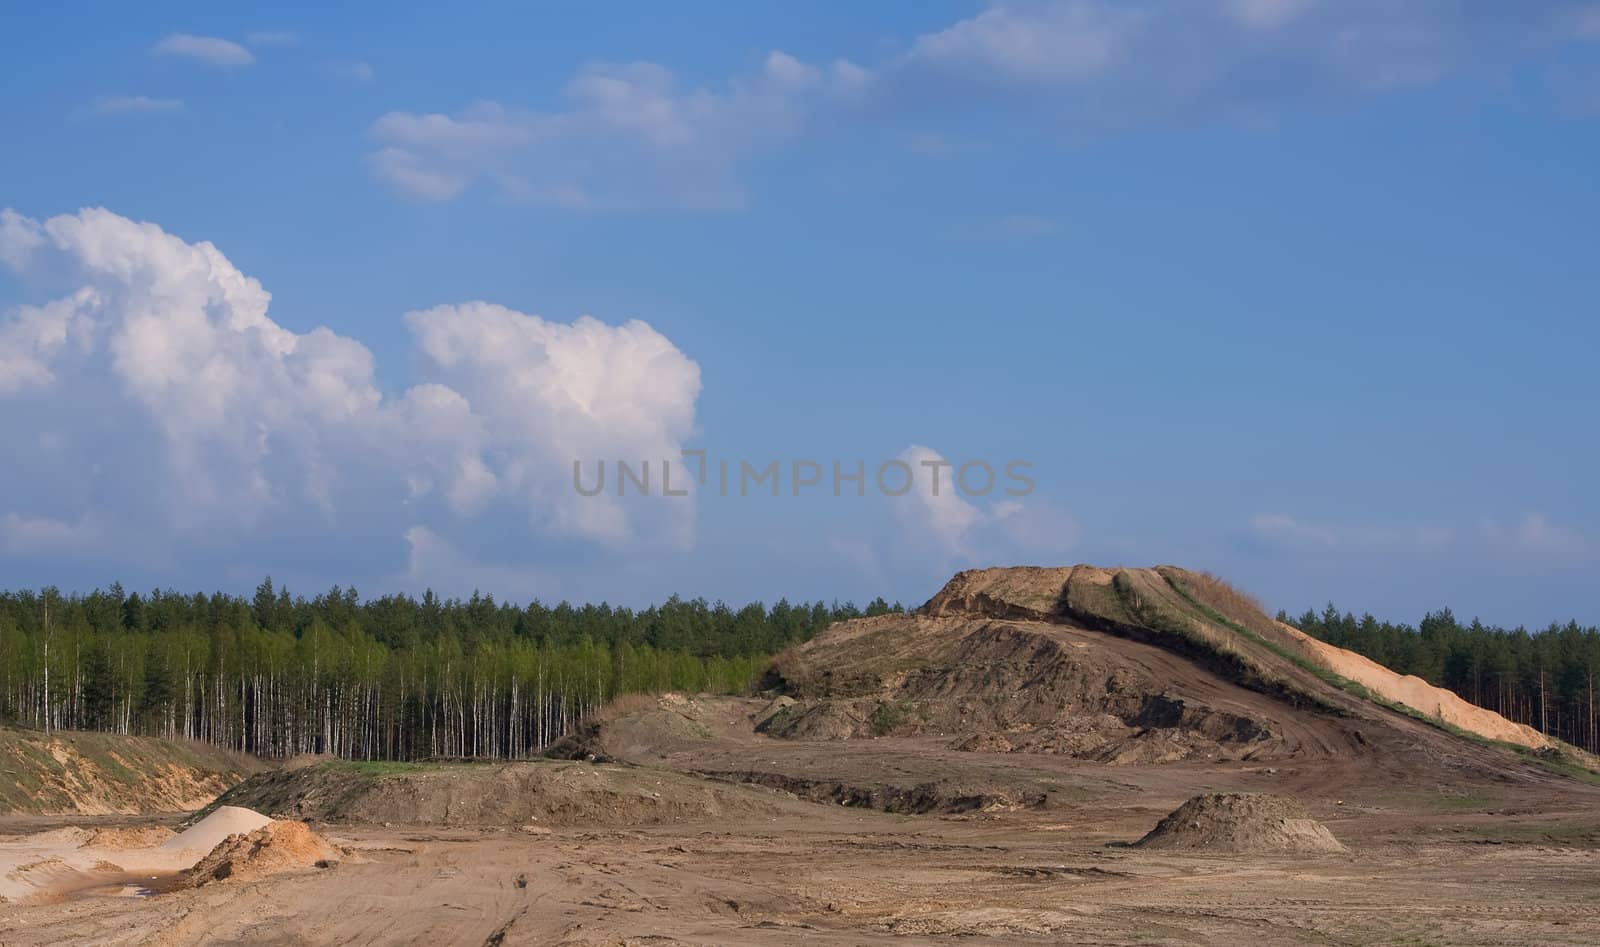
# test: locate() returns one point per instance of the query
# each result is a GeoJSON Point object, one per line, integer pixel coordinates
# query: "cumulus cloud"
{"type": "Point", "coordinates": [934, 505]}
{"type": "Point", "coordinates": [632, 134]}
{"type": "Point", "coordinates": [207, 49]}
{"type": "Point", "coordinates": [230, 422]}
{"type": "Point", "coordinates": [551, 394]}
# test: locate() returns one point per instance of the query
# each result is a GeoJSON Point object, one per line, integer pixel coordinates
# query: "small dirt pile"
{"type": "Point", "coordinates": [272, 849]}
{"type": "Point", "coordinates": [1241, 822]}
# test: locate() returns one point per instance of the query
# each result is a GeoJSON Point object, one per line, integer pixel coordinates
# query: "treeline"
{"type": "Point", "coordinates": [1545, 679]}
{"type": "Point", "coordinates": [390, 679]}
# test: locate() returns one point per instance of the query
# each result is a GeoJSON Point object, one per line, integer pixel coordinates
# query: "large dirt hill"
{"type": "Point", "coordinates": [1113, 665]}
{"type": "Point", "coordinates": [100, 773]}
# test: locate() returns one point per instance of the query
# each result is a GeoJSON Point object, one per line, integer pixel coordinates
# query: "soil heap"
{"type": "Point", "coordinates": [1114, 665]}
{"type": "Point", "coordinates": [269, 850]}
{"type": "Point", "coordinates": [1239, 822]}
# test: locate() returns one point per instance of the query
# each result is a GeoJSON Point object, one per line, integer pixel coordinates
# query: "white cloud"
{"type": "Point", "coordinates": [633, 135]}
{"type": "Point", "coordinates": [231, 423]}
{"type": "Point", "coordinates": [133, 104]}
{"type": "Point", "coordinates": [1033, 43]}
{"type": "Point", "coordinates": [629, 136]}
{"type": "Point", "coordinates": [934, 505]}
{"type": "Point", "coordinates": [549, 394]}
{"type": "Point", "coordinates": [206, 49]}
{"type": "Point", "coordinates": [33, 335]}
{"type": "Point", "coordinates": [970, 517]}
{"type": "Point", "coordinates": [272, 38]}
{"type": "Point", "coordinates": [20, 237]}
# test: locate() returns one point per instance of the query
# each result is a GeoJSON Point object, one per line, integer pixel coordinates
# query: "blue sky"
{"type": "Point", "coordinates": [1300, 292]}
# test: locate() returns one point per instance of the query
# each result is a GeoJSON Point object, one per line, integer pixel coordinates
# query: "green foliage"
{"type": "Point", "coordinates": [392, 678]}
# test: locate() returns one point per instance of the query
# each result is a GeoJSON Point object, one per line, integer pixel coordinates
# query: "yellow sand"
{"type": "Point", "coordinates": [1416, 693]}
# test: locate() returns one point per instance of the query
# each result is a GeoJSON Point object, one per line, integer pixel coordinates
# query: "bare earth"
{"type": "Point", "coordinates": [977, 773]}
{"type": "Point", "coordinates": [1423, 867]}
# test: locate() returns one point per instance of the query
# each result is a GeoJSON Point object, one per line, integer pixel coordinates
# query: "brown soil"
{"type": "Point", "coordinates": [1241, 823]}
{"type": "Point", "coordinates": [1118, 666]}
{"type": "Point", "coordinates": [942, 777]}
{"type": "Point", "coordinates": [1418, 872]}
{"type": "Point", "coordinates": [272, 849]}
{"type": "Point", "coordinates": [543, 792]}
{"type": "Point", "coordinates": [101, 773]}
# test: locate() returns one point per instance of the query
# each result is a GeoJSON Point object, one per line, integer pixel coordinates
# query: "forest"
{"type": "Point", "coordinates": [392, 678]}
{"type": "Point", "coordinates": [1545, 679]}
{"type": "Point", "coordinates": [399, 677]}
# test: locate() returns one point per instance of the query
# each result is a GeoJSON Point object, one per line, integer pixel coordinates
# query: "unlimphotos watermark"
{"type": "Point", "coordinates": [894, 478]}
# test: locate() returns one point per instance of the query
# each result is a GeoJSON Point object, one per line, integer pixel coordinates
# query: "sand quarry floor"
{"type": "Point", "coordinates": [1488, 864]}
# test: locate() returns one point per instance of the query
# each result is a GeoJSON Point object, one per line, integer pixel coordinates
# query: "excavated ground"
{"type": "Point", "coordinates": [980, 772]}
{"type": "Point", "coordinates": [100, 773]}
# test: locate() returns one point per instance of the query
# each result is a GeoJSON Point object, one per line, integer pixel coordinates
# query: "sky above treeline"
{"type": "Point", "coordinates": [1301, 292]}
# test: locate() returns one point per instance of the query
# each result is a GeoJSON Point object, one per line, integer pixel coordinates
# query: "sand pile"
{"type": "Point", "coordinates": [209, 832]}
{"type": "Point", "coordinates": [275, 847]}
{"type": "Point", "coordinates": [1241, 822]}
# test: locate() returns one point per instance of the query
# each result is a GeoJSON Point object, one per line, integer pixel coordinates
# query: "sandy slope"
{"type": "Point", "coordinates": [99, 773]}
{"type": "Point", "coordinates": [1416, 693]}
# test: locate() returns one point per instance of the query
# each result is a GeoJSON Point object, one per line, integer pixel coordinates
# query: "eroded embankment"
{"type": "Point", "coordinates": [70, 772]}
{"type": "Point", "coordinates": [541, 792]}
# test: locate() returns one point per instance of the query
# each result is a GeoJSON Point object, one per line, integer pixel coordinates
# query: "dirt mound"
{"type": "Point", "coordinates": [64, 773]}
{"type": "Point", "coordinates": [544, 792]}
{"type": "Point", "coordinates": [1244, 823]}
{"type": "Point", "coordinates": [1017, 685]}
{"type": "Point", "coordinates": [1114, 665]}
{"type": "Point", "coordinates": [219, 824]}
{"type": "Point", "coordinates": [272, 849]}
